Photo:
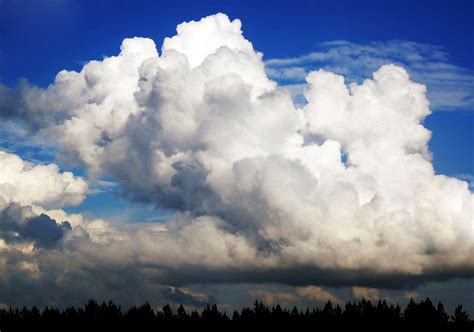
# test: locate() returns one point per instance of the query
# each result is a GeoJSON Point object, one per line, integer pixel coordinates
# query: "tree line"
{"type": "Point", "coordinates": [380, 315]}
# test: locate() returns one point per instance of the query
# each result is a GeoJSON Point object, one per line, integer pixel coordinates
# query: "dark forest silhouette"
{"type": "Point", "coordinates": [379, 316]}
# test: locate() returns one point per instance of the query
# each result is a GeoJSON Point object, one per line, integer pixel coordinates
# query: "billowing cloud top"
{"type": "Point", "coordinates": [24, 183]}
{"type": "Point", "coordinates": [260, 185]}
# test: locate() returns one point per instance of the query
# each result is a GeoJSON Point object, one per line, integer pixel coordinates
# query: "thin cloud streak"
{"type": "Point", "coordinates": [450, 87]}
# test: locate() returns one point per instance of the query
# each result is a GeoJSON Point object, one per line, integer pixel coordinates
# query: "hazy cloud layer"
{"type": "Point", "coordinates": [262, 192]}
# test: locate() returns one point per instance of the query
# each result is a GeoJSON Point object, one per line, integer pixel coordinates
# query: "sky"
{"type": "Point", "coordinates": [186, 164]}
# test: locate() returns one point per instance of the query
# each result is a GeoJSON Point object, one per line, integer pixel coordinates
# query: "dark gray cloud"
{"type": "Point", "coordinates": [44, 230]}
{"type": "Point", "coordinates": [308, 275]}
{"type": "Point", "coordinates": [17, 225]}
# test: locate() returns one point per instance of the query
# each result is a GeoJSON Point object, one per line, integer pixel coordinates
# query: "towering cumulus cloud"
{"type": "Point", "coordinates": [262, 189]}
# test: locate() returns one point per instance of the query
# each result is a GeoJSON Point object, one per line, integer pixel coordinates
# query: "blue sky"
{"type": "Point", "coordinates": [433, 40]}
{"type": "Point", "coordinates": [62, 34]}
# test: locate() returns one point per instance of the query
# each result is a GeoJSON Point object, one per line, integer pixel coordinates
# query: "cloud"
{"type": "Point", "coordinates": [287, 73]}
{"type": "Point", "coordinates": [449, 86]}
{"type": "Point", "coordinates": [317, 295]}
{"type": "Point", "coordinates": [469, 178]}
{"type": "Point", "coordinates": [44, 230]}
{"type": "Point", "coordinates": [270, 298]}
{"type": "Point", "coordinates": [44, 185]}
{"type": "Point", "coordinates": [260, 187]}
{"type": "Point", "coordinates": [410, 295]}
{"type": "Point", "coordinates": [38, 147]}
{"type": "Point", "coordinates": [187, 297]}
{"type": "Point", "coordinates": [101, 186]}
{"type": "Point", "coordinates": [370, 294]}
{"type": "Point", "coordinates": [198, 40]}
{"type": "Point", "coordinates": [313, 295]}
{"type": "Point", "coordinates": [27, 190]}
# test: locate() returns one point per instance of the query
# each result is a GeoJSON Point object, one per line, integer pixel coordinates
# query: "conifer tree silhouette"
{"type": "Point", "coordinates": [363, 314]}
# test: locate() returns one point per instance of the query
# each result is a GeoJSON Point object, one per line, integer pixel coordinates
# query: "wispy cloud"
{"type": "Point", "coordinates": [38, 148]}
{"type": "Point", "coordinates": [450, 87]}
{"type": "Point", "coordinates": [101, 186]}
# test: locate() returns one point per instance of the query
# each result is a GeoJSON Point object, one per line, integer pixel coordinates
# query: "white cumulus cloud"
{"type": "Point", "coordinates": [44, 185]}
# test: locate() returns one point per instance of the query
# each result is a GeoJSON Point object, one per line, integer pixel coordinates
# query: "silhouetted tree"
{"type": "Point", "coordinates": [91, 310]}
{"type": "Point", "coordinates": [194, 316]}
{"type": "Point", "coordinates": [167, 313]}
{"type": "Point", "coordinates": [443, 317]}
{"type": "Point", "coordinates": [363, 315]}
{"type": "Point", "coordinates": [181, 313]}
{"type": "Point", "coordinates": [460, 315]}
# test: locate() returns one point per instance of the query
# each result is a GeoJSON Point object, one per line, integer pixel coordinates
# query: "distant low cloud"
{"type": "Point", "coordinates": [411, 295]}
{"type": "Point", "coordinates": [313, 295]}
{"type": "Point", "coordinates": [270, 298]}
{"type": "Point", "coordinates": [369, 294]}
{"type": "Point", "coordinates": [187, 297]}
{"type": "Point", "coordinates": [450, 87]}
{"type": "Point", "coordinates": [317, 295]}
